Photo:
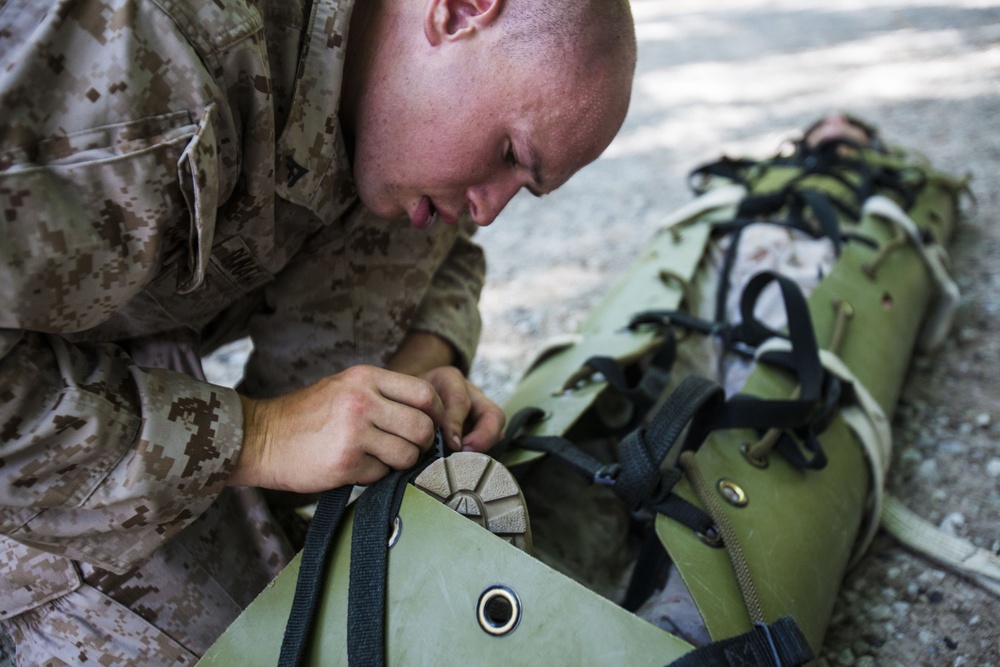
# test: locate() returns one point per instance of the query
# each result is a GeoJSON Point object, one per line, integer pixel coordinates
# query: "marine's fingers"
{"type": "Point", "coordinates": [487, 422]}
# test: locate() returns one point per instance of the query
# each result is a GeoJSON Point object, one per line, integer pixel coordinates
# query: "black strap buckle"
{"type": "Point", "coordinates": [607, 475]}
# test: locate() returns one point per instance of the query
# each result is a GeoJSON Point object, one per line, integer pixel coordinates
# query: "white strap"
{"type": "Point", "coordinates": [934, 257]}
{"type": "Point", "coordinates": [726, 195]}
{"type": "Point", "coordinates": [949, 550]}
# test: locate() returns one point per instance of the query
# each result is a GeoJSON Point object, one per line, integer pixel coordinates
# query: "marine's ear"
{"type": "Point", "coordinates": [452, 20]}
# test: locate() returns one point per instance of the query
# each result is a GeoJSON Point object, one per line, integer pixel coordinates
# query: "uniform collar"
{"type": "Point", "coordinates": [312, 168]}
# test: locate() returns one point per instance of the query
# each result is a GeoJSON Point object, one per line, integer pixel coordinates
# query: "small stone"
{"type": "Point", "coordinates": [939, 495]}
{"type": "Point", "coordinates": [901, 608]}
{"type": "Point", "coordinates": [846, 658]}
{"type": "Point", "coordinates": [912, 589]}
{"type": "Point", "coordinates": [893, 572]}
{"type": "Point", "coordinates": [952, 523]}
{"type": "Point", "coordinates": [911, 456]}
{"type": "Point", "coordinates": [866, 661]}
{"type": "Point", "coordinates": [880, 612]}
{"type": "Point", "coordinates": [929, 471]}
{"type": "Point", "coordinates": [928, 577]}
{"type": "Point", "coordinates": [993, 467]}
{"type": "Point", "coordinates": [975, 620]}
{"type": "Point", "coordinates": [926, 637]}
{"type": "Point", "coordinates": [935, 597]}
{"type": "Point", "coordinates": [983, 419]}
{"type": "Point", "coordinates": [950, 643]}
{"type": "Point", "coordinates": [953, 447]}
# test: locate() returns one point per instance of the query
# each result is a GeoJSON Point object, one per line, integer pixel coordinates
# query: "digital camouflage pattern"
{"type": "Point", "coordinates": [173, 176]}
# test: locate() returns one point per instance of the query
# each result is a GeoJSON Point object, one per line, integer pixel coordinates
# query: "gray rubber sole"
{"type": "Point", "coordinates": [482, 490]}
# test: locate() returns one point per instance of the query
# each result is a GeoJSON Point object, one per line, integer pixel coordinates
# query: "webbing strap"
{"type": "Point", "coordinates": [587, 466]}
{"type": "Point", "coordinates": [369, 569]}
{"type": "Point", "coordinates": [938, 323]}
{"type": "Point", "coordinates": [780, 644]}
{"type": "Point", "coordinates": [642, 451]}
{"type": "Point", "coordinates": [644, 393]}
{"type": "Point", "coordinates": [312, 570]}
{"type": "Point", "coordinates": [954, 552]}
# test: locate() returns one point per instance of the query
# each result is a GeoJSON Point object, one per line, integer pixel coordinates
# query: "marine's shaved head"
{"type": "Point", "coordinates": [568, 29]}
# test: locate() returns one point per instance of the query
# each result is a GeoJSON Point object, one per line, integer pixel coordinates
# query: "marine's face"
{"type": "Point", "coordinates": [456, 136]}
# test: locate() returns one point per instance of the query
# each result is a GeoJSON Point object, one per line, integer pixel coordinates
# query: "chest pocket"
{"type": "Point", "coordinates": [89, 217]}
{"type": "Point", "coordinates": [204, 274]}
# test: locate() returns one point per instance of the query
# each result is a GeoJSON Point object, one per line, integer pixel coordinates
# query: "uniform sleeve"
{"type": "Point", "coordinates": [100, 460]}
{"type": "Point", "coordinates": [450, 307]}
{"type": "Point", "coordinates": [103, 461]}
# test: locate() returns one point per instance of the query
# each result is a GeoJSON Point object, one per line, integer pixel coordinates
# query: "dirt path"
{"type": "Point", "coordinates": [738, 79]}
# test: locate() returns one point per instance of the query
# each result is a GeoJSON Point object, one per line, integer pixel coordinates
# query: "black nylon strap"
{"type": "Point", "coordinates": [312, 571]}
{"type": "Point", "coordinates": [653, 382]}
{"type": "Point", "coordinates": [823, 210]}
{"type": "Point", "coordinates": [684, 512]}
{"type": "Point", "coordinates": [642, 451]}
{"type": "Point", "coordinates": [587, 466]}
{"type": "Point", "coordinates": [373, 517]}
{"type": "Point", "coordinates": [649, 573]}
{"type": "Point", "coordinates": [780, 644]}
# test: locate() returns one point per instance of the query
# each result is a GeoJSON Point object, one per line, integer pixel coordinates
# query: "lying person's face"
{"type": "Point", "coordinates": [837, 126]}
{"type": "Point", "coordinates": [464, 132]}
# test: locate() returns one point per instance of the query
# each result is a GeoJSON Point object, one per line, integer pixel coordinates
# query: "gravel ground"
{"type": "Point", "coordinates": [738, 79]}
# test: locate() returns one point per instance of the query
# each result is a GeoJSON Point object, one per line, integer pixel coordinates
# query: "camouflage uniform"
{"type": "Point", "coordinates": [173, 176]}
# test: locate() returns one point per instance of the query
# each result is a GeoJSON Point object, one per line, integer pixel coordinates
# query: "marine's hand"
{"type": "Point", "coordinates": [349, 428]}
{"type": "Point", "coordinates": [471, 421]}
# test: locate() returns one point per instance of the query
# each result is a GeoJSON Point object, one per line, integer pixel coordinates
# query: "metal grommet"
{"type": "Point", "coordinates": [732, 493]}
{"type": "Point", "coordinates": [498, 610]}
{"type": "Point", "coordinates": [397, 529]}
{"type": "Point", "coordinates": [712, 537]}
{"type": "Point", "coordinates": [751, 459]}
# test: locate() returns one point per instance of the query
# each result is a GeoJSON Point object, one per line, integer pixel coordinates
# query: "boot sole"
{"type": "Point", "coordinates": [482, 490]}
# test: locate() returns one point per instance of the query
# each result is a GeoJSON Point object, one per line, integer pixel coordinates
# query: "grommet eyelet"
{"type": "Point", "coordinates": [751, 459]}
{"type": "Point", "coordinates": [498, 610]}
{"type": "Point", "coordinates": [712, 537]}
{"type": "Point", "coordinates": [397, 529]}
{"type": "Point", "coordinates": [732, 493]}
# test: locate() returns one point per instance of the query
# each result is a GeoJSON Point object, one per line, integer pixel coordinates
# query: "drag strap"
{"type": "Point", "coordinates": [312, 569]}
{"type": "Point", "coordinates": [780, 644]}
{"type": "Point", "coordinates": [643, 451]}
{"type": "Point", "coordinates": [377, 507]}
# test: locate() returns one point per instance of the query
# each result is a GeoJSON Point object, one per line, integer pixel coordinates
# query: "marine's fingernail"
{"type": "Point", "coordinates": [457, 440]}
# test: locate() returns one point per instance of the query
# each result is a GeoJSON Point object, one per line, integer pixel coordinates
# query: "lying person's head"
{"type": "Point", "coordinates": [454, 105]}
{"type": "Point", "coordinates": [840, 127]}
